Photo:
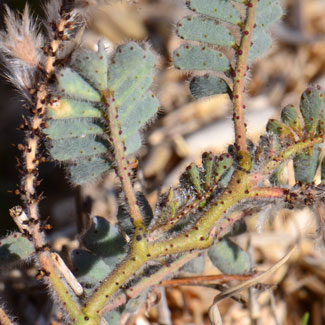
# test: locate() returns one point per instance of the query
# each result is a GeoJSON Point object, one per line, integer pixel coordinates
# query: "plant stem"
{"type": "Point", "coordinates": [59, 286]}
{"type": "Point", "coordinates": [238, 91]}
{"type": "Point", "coordinates": [113, 282]}
{"type": "Point", "coordinates": [164, 272]}
{"type": "Point", "coordinates": [242, 186]}
{"type": "Point", "coordinates": [28, 183]}
{"type": "Point", "coordinates": [275, 162]}
{"type": "Point", "coordinates": [123, 169]}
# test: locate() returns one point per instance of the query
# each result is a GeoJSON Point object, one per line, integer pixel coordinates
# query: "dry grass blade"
{"type": "Point", "coordinates": [255, 280]}
{"type": "Point", "coordinates": [215, 316]}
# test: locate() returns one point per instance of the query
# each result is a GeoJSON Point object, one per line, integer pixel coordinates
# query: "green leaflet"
{"type": "Point", "coordinates": [208, 163]}
{"type": "Point", "coordinates": [67, 108]}
{"type": "Point", "coordinates": [305, 164]}
{"type": "Point", "coordinates": [87, 169]}
{"type": "Point", "coordinates": [190, 57]}
{"type": "Point", "coordinates": [223, 165]}
{"type": "Point", "coordinates": [229, 258]}
{"type": "Point", "coordinates": [72, 85]}
{"type": "Point", "coordinates": [106, 248]}
{"type": "Point", "coordinates": [73, 148]}
{"type": "Point", "coordinates": [220, 9]}
{"type": "Point", "coordinates": [89, 268]}
{"type": "Point", "coordinates": [15, 248]}
{"type": "Point", "coordinates": [261, 42]}
{"type": "Point", "coordinates": [204, 30]}
{"type": "Point", "coordinates": [267, 12]}
{"type": "Point", "coordinates": [311, 105]}
{"type": "Point", "coordinates": [93, 67]}
{"type": "Point", "coordinates": [289, 116]}
{"type": "Point", "coordinates": [207, 85]}
{"type": "Point", "coordinates": [66, 128]}
{"type": "Point", "coordinates": [194, 176]}
{"type": "Point", "coordinates": [105, 240]}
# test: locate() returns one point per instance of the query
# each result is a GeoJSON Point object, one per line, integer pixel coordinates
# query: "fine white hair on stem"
{"type": "Point", "coordinates": [20, 46]}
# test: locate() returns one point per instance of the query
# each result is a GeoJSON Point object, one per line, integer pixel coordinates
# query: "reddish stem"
{"type": "Point", "coordinates": [238, 92]}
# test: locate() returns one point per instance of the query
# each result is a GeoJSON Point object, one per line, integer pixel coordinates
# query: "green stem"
{"type": "Point", "coordinates": [275, 162]}
{"type": "Point", "coordinates": [164, 272]}
{"type": "Point", "coordinates": [138, 256]}
{"type": "Point", "coordinates": [242, 186]}
{"type": "Point", "coordinates": [58, 285]}
{"type": "Point", "coordinates": [238, 91]}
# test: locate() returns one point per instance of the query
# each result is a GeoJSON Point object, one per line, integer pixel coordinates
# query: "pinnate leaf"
{"type": "Point", "coordinates": [78, 127]}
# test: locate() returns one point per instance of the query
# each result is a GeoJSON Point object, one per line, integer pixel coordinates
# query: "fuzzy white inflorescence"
{"type": "Point", "coordinates": [21, 45]}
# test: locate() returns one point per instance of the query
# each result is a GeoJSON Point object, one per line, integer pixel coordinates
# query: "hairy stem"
{"type": "Point", "coordinates": [31, 162]}
{"type": "Point", "coordinates": [277, 160]}
{"type": "Point", "coordinates": [238, 91]}
{"type": "Point", "coordinates": [243, 186]}
{"type": "Point", "coordinates": [164, 272]}
{"type": "Point", "coordinates": [59, 286]}
{"type": "Point", "coordinates": [123, 168]}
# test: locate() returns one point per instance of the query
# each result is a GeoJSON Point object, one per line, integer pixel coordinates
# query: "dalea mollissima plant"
{"type": "Point", "coordinates": [90, 108]}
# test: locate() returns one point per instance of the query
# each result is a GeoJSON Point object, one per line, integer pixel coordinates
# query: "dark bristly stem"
{"type": "Point", "coordinates": [239, 84]}
{"type": "Point", "coordinates": [29, 184]}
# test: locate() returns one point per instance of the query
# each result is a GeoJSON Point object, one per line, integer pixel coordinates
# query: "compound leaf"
{"type": "Point", "coordinates": [78, 127]}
